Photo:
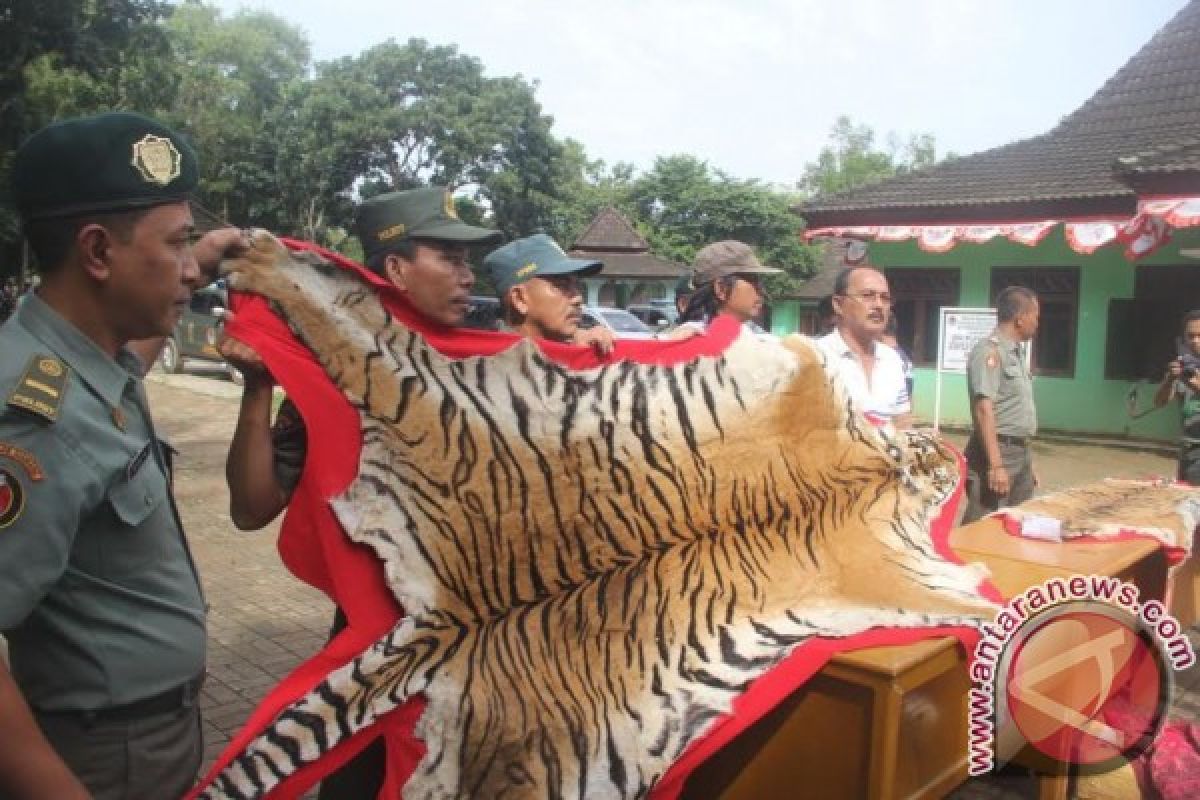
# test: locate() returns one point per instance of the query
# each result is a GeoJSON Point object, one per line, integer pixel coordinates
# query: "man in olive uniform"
{"type": "Point", "coordinates": [538, 287]}
{"type": "Point", "coordinates": [999, 466]}
{"type": "Point", "coordinates": [99, 596]}
{"type": "Point", "coordinates": [415, 240]}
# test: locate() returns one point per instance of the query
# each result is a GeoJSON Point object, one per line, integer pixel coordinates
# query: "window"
{"type": "Point", "coordinates": [1057, 289]}
{"type": "Point", "coordinates": [1142, 330]}
{"type": "Point", "coordinates": [918, 296]}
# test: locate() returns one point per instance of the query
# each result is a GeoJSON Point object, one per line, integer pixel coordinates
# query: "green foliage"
{"type": "Point", "coordinates": [94, 40]}
{"type": "Point", "coordinates": [685, 205]}
{"type": "Point", "coordinates": [291, 145]}
{"type": "Point", "coordinates": [851, 159]}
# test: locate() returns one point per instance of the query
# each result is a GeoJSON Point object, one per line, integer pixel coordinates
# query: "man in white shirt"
{"type": "Point", "coordinates": [872, 372]}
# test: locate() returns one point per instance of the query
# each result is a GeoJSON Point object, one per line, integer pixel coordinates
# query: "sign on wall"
{"type": "Point", "coordinates": [958, 331]}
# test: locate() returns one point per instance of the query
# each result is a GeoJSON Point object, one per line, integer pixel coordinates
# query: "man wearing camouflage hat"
{"type": "Point", "coordinates": [538, 287]}
{"type": "Point", "coordinates": [99, 596]}
{"type": "Point", "coordinates": [416, 241]}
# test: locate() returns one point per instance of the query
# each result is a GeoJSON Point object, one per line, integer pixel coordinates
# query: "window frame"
{"type": "Point", "coordinates": [943, 289]}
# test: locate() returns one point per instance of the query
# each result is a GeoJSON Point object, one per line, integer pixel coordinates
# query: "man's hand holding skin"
{"type": "Point", "coordinates": [217, 245]}
{"type": "Point", "coordinates": [245, 359]}
{"type": "Point", "coordinates": [599, 339]}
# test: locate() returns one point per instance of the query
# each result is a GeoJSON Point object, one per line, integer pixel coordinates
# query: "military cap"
{"type": "Point", "coordinates": [115, 161]}
{"type": "Point", "coordinates": [729, 257]}
{"type": "Point", "coordinates": [533, 257]}
{"type": "Point", "coordinates": [389, 219]}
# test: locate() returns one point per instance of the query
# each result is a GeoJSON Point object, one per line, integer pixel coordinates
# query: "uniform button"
{"type": "Point", "coordinates": [149, 500]}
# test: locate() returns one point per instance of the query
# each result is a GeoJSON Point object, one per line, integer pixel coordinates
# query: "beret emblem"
{"type": "Point", "coordinates": [156, 159]}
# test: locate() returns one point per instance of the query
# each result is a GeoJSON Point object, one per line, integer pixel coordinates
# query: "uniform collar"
{"type": "Point", "coordinates": [108, 377]}
{"type": "Point", "coordinates": [841, 348]}
{"type": "Point", "coordinates": [1004, 340]}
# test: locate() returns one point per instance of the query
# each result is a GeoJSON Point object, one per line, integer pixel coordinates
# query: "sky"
{"type": "Point", "coordinates": [754, 86]}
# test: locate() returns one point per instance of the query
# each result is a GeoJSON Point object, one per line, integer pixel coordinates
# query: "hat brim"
{"type": "Point", "coordinates": [458, 232]}
{"type": "Point", "coordinates": [571, 266]}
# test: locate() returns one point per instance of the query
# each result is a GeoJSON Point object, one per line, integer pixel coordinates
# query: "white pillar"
{"type": "Point", "coordinates": [591, 290]}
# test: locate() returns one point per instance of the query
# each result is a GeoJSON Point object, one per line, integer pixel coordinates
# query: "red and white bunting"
{"type": "Point", "coordinates": [1141, 234]}
{"type": "Point", "coordinates": [1088, 237]}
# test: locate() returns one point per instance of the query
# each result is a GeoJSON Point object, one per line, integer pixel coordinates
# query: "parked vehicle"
{"type": "Point", "coordinates": [197, 331]}
{"type": "Point", "coordinates": [484, 314]}
{"type": "Point", "coordinates": [655, 316]}
{"type": "Point", "coordinates": [623, 324]}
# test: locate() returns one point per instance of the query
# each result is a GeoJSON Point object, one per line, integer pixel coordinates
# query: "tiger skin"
{"type": "Point", "coordinates": [595, 563]}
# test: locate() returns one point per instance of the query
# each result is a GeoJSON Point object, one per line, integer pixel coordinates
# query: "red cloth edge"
{"type": "Point", "coordinates": [313, 547]}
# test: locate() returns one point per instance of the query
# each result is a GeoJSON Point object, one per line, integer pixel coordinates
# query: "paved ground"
{"type": "Point", "coordinates": [263, 622]}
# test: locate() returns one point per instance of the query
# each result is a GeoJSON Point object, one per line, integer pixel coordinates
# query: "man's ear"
{"type": "Point", "coordinates": [394, 270]}
{"type": "Point", "coordinates": [518, 300]}
{"type": "Point", "coordinates": [94, 243]}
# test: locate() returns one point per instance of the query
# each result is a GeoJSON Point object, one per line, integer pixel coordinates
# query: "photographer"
{"type": "Point", "coordinates": [1182, 381]}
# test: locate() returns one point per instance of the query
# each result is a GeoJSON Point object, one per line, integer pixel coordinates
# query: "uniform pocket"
{"type": "Point", "coordinates": [135, 499]}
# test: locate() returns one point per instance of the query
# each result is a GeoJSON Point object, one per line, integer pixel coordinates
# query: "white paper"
{"type": "Point", "coordinates": [1036, 526]}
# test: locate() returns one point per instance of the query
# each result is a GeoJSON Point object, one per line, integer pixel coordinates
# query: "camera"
{"type": "Point", "coordinates": [1189, 362]}
{"type": "Point", "coordinates": [1190, 365]}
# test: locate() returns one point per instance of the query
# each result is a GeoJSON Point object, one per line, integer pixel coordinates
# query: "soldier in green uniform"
{"type": "Point", "coordinates": [99, 596]}
{"type": "Point", "coordinates": [1182, 381]}
{"type": "Point", "coordinates": [999, 467]}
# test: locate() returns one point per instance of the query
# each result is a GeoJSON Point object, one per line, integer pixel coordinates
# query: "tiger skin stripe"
{"type": "Point", "coordinates": [595, 563]}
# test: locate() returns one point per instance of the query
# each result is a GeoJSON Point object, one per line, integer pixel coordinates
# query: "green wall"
{"type": "Point", "coordinates": [1086, 403]}
{"type": "Point", "coordinates": [785, 317]}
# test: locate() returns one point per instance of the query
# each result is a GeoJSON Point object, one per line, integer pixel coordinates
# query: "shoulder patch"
{"type": "Point", "coordinates": [12, 498]}
{"type": "Point", "coordinates": [24, 459]}
{"type": "Point", "coordinates": [992, 361]}
{"type": "Point", "coordinates": [41, 388]}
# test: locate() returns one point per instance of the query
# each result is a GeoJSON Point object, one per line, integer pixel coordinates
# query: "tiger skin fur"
{"type": "Point", "coordinates": [594, 563]}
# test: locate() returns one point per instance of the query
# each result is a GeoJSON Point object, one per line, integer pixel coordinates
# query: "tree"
{"type": "Point", "coordinates": [93, 37]}
{"type": "Point", "coordinates": [686, 205]}
{"type": "Point", "coordinates": [232, 78]}
{"type": "Point", "coordinates": [852, 160]}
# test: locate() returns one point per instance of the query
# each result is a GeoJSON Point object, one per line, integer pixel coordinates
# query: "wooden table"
{"type": "Point", "coordinates": [890, 722]}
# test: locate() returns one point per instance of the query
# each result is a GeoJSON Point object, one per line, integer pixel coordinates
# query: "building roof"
{"type": "Point", "coordinates": [1150, 109]}
{"type": "Point", "coordinates": [611, 238]}
{"type": "Point", "coordinates": [634, 265]}
{"type": "Point", "coordinates": [610, 232]}
{"type": "Point", "coordinates": [833, 263]}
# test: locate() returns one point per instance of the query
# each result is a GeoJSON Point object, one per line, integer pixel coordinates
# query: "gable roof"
{"type": "Point", "coordinates": [833, 263]}
{"type": "Point", "coordinates": [610, 232]}
{"type": "Point", "coordinates": [1150, 106]}
{"type": "Point", "coordinates": [611, 238]}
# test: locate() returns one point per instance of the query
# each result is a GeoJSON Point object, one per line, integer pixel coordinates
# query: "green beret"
{"type": "Point", "coordinates": [388, 219]}
{"type": "Point", "coordinates": [108, 162]}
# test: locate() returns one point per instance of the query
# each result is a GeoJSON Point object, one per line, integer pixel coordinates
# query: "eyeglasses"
{"type": "Point", "coordinates": [866, 298]}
